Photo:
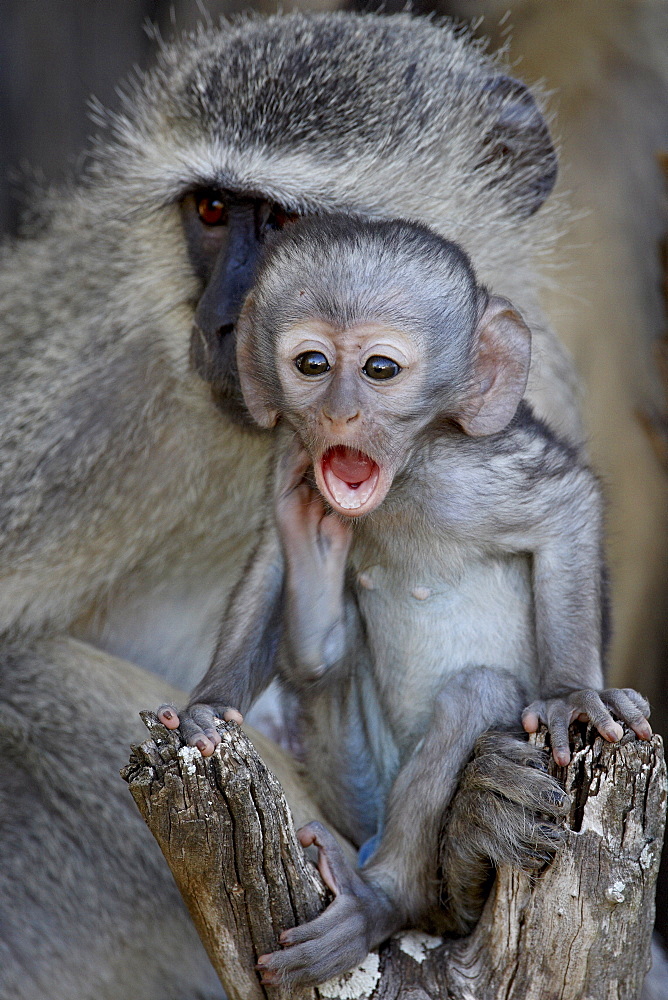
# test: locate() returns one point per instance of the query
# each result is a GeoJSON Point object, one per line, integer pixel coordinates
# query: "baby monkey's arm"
{"type": "Point", "coordinates": [569, 598]}
{"type": "Point", "coordinates": [245, 658]}
{"type": "Point", "coordinates": [244, 661]}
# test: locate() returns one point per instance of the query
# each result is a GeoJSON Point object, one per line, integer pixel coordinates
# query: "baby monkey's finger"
{"type": "Point", "coordinates": [336, 531]}
{"type": "Point", "coordinates": [532, 716]}
{"type": "Point", "coordinates": [233, 715]}
{"type": "Point", "coordinates": [628, 712]}
{"type": "Point", "coordinates": [198, 729]}
{"type": "Point", "coordinates": [169, 717]}
{"type": "Point", "coordinates": [590, 702]}
{"type": "Point", "coordinates": [638, 701]}
{"type": "Point", "coordinates": [558, 721]}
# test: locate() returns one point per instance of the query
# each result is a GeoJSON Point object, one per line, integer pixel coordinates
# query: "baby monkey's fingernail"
{"type": "Point", "coordinates": [167, 714]}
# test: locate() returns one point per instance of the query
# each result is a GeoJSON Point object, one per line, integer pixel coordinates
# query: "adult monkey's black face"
{"type": "Point", "coordinates": [381, 117]}
{"type": "Point", "coordinates": [225, 233]}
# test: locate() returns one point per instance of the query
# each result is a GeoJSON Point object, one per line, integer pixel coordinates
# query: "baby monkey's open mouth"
{"type": "Point", "coordinates": [349, 480]}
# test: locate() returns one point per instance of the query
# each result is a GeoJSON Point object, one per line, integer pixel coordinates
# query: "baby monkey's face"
{"type": "Point", "coordinates": [349, 392]}
{"type": "Point", "coordinates": [360, 335]}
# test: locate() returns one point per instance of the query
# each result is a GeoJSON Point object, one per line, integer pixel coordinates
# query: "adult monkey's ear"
{"type": "Point", "coordinates": [501, 358]}
{"type": "Point", "coordinates": [255, 390]}
{"type": "Point", "coordinates": [517, 145]}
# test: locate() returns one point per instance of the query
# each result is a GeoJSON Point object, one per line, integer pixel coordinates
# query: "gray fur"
{"type": "Point", "coordinates": [86, 909]}
{"type": "Point", "coordinates": [472, 588]}
{"type": "Point", "coordinates": [128, 502]}
{"type": "Point", "coordinates": [506, 812]}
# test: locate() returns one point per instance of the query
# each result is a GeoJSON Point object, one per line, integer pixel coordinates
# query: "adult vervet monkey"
{"type": "Point", "coordinates": [130, 490]}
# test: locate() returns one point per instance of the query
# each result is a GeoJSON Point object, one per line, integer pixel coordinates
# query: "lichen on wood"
{"type": "Point", "coordinates": [579, 930]}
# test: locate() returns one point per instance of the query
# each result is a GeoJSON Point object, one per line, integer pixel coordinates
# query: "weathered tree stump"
{"type": "Point", "coordinates": [580, 930]}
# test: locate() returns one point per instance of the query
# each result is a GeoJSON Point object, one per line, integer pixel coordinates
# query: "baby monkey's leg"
{"type": "Point", "coordinates": [470, 702]}
{"type": "Point", "coordinates": [398, 887]}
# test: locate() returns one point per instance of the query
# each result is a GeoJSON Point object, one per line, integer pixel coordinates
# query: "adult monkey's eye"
{"type": "Point", "coordinates": [211, 208]}
{"type": "Point", "coordinates": [379, 368]}
{"type": "Point", "coordinates": [278, 217]}
{"type": "Point", "coordinates": [312, 363]}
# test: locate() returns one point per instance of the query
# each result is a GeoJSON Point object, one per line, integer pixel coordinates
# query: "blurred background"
{"type": "Point", "coordinates": [606, 65]}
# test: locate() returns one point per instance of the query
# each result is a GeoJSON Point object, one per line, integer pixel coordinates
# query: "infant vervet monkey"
{"type": "Point", "coordinates": [431, 568]}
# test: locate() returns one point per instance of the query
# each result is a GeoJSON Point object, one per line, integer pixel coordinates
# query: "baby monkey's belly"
{"type": "Point", "coordinates": [427, 623]}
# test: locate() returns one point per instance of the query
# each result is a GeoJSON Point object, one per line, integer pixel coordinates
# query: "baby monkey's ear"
{"type": "Point", "coordinates": [256, 392]}
{"type": "Point", "coordinates": [501, 357]}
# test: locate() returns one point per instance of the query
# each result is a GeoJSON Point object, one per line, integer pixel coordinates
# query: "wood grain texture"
{"type": "Point", "coordinates": [579, 930]}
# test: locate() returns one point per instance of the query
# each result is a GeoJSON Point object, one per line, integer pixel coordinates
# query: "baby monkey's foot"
{"type": "Point", "coordinates": [198, 723]}
{"type": "Point", "coordinates": [359, 917]}
{"type": "Point", "coordinates": [588, 706]}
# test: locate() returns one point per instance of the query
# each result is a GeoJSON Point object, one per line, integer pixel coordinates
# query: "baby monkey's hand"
{"type": "Point", "coordinates": [308, 533]}
{"type": "Point", "coordinates": [198, 723]}
{"type": "Point", "coordinates": [315, 545]}
{"type": "Point", "coordinates": [588, 706]}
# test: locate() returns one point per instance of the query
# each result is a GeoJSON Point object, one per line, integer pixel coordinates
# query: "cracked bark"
{"type": "Point", "coordinates": [580, 930]}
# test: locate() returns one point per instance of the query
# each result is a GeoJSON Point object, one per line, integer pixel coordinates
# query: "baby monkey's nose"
{"type": "Point", "coordinates": [341, 420]}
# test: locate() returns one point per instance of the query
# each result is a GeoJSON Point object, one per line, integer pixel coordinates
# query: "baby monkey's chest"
{"type": "Point", "coordinates": [426, 618]}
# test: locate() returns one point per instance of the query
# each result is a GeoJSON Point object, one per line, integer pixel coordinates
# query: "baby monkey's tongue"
{"type": "Point", "coordinates": [350, 466]}
{"type": "Point", "coordinates": [349, 476]}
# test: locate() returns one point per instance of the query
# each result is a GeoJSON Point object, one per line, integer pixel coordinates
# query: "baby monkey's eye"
{"type": "Point", "coordinates": [381, 368]}
{"type": "Point", "coordinates": [312, 363]}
